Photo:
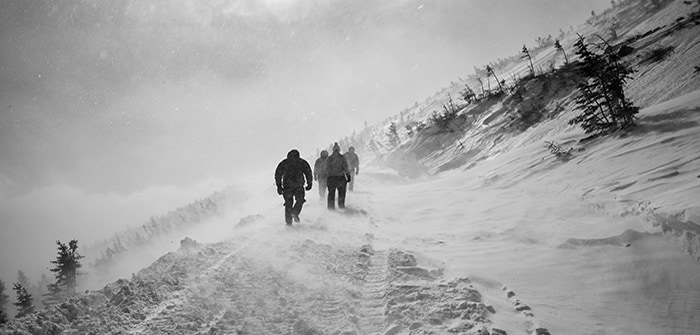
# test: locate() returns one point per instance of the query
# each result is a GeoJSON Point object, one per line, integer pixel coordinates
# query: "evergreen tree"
{"type": "Point", "coordinates": [558, 46]}
{"type": "Point", "coordinates": [489, 72]}
{"type": "Point", "coordinates": [66, 266]}
{"type": "Point", "coordinates": [602, 98]}
{"type": "Point", "coordinates": [24, 302]}
{"type": "Point", "coordinates": [525, 54]}
{"type": "Point", "coordinates": [468, 94]}
{"type": "Point", "coordinates": [3, 301]}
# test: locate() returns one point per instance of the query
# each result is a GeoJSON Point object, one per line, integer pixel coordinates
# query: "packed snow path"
{"type": "Point", "coordinates": [302, 287]}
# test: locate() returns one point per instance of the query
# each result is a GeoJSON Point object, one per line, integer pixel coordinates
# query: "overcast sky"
{"type": "Point", "coordinates": [131, 107]}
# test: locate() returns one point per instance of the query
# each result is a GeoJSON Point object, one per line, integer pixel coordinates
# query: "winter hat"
{"type": "Point", "coordinates": [324, 153]}
{"type": "Point", "coordinates": [294, 153]}
{"type": "Point", "coordinates": [336, 147]}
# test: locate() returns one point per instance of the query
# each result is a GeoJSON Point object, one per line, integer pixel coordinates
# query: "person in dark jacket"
{"type": "Point", "coordinates": [321, 174]}
{"type": "Point", "coordinates": [338, 177]}
{"type": "Point", "coordinates": [290, 175]}
{"type": "Point", "coordinates": [354, 165]}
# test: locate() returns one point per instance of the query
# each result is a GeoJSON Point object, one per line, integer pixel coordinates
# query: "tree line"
{"type": "Point", "coordinates": [65, 267]}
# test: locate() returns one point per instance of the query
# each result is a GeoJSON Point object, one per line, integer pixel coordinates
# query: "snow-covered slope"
{"type": "Point", "coordinates": [481, 230]}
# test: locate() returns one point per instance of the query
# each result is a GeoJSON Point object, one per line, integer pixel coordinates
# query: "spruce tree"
{"type": "Point", "coordinates": [24, 302]}
{"type": "Point", "coordinates": [66, 267]}
{"type": "Point", "coordinates": [558, 46]}
{"type": "Point", "coordinates": [602, 102]}
{"type": "Point", "coordinates": [3, 302]}
{"type": "Point", "coordinates": [489, 72]}
{"type": "Point", "coordinates": [525, 54]}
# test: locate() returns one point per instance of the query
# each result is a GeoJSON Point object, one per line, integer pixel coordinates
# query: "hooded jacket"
{"type": "Point", "coordinates": [290, 172]}
{"type": "Point", "coordinates": [337, 165]}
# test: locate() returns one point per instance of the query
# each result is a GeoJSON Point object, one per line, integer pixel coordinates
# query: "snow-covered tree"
{"type": "Point", "coordinates": [25, 304]}
{"type": "Point", "coordinates": [66, 266]}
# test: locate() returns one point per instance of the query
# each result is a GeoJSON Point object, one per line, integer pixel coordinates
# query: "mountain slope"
{"type": "Point", "coordinates": [477, 230]}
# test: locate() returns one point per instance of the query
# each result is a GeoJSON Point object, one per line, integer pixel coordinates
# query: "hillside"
{"type": "Point", "coordinates": [474, 228]}
{"type": "Point", "coordinates": [663, 50]}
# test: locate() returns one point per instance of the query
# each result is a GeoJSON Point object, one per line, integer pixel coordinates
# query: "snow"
{"type": "Point", "coordinates": [520, 244]}
{"type": "Point", "coordinates": [504, 238]}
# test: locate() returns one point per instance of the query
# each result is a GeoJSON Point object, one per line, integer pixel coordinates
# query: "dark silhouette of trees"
{"type": "Point", "coordinates": [468, 94]}
{"type": "Point", "coordinates": [525, 54]}
{"type": "Point", "coordinates": [602, 102]}
{"type": "Point", "coordinates": [66, 268]}
{"type": "Point", "coordinates": [3, 301]}
{"type": "Point", "coordinates": [442, 120]}
{"type": "Point", "coordinates": [24, 302]}
{"type": "Point", "coordinates": [558, 46]}
{"type": "Point", "coordinates": [489, 72]}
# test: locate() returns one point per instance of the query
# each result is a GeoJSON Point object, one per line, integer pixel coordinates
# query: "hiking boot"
{"type": "Point", "coordinates": [295, 217]}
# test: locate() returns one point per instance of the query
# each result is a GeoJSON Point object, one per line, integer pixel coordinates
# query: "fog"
{"type": "Point", "coordinates": [113, 111]}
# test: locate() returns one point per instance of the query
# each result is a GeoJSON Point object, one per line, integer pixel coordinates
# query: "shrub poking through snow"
{"type": "Point", "coordinates": [443, 120]}
{"type": "Point", "coordinates": [602, 102]}
{"type": "Point", "coordinates": [558, 151]}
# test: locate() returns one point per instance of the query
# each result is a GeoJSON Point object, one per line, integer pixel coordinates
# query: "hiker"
{"type": "Point", "coordinates": [321, 174]}
{"type": "Point", "coordinates": [353, 164]}
{"type": "Point", "coordinates": [338, 177]}
{"type": "Point", "coordinates": [289, 177]}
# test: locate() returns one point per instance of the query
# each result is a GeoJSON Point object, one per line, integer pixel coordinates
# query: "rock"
{"type": "Point", "coordinates": [498, 331]}
{"type": "Point", "coordinates": [542, 331]}
{"type": "Point", "coordinates": [490, 309]}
